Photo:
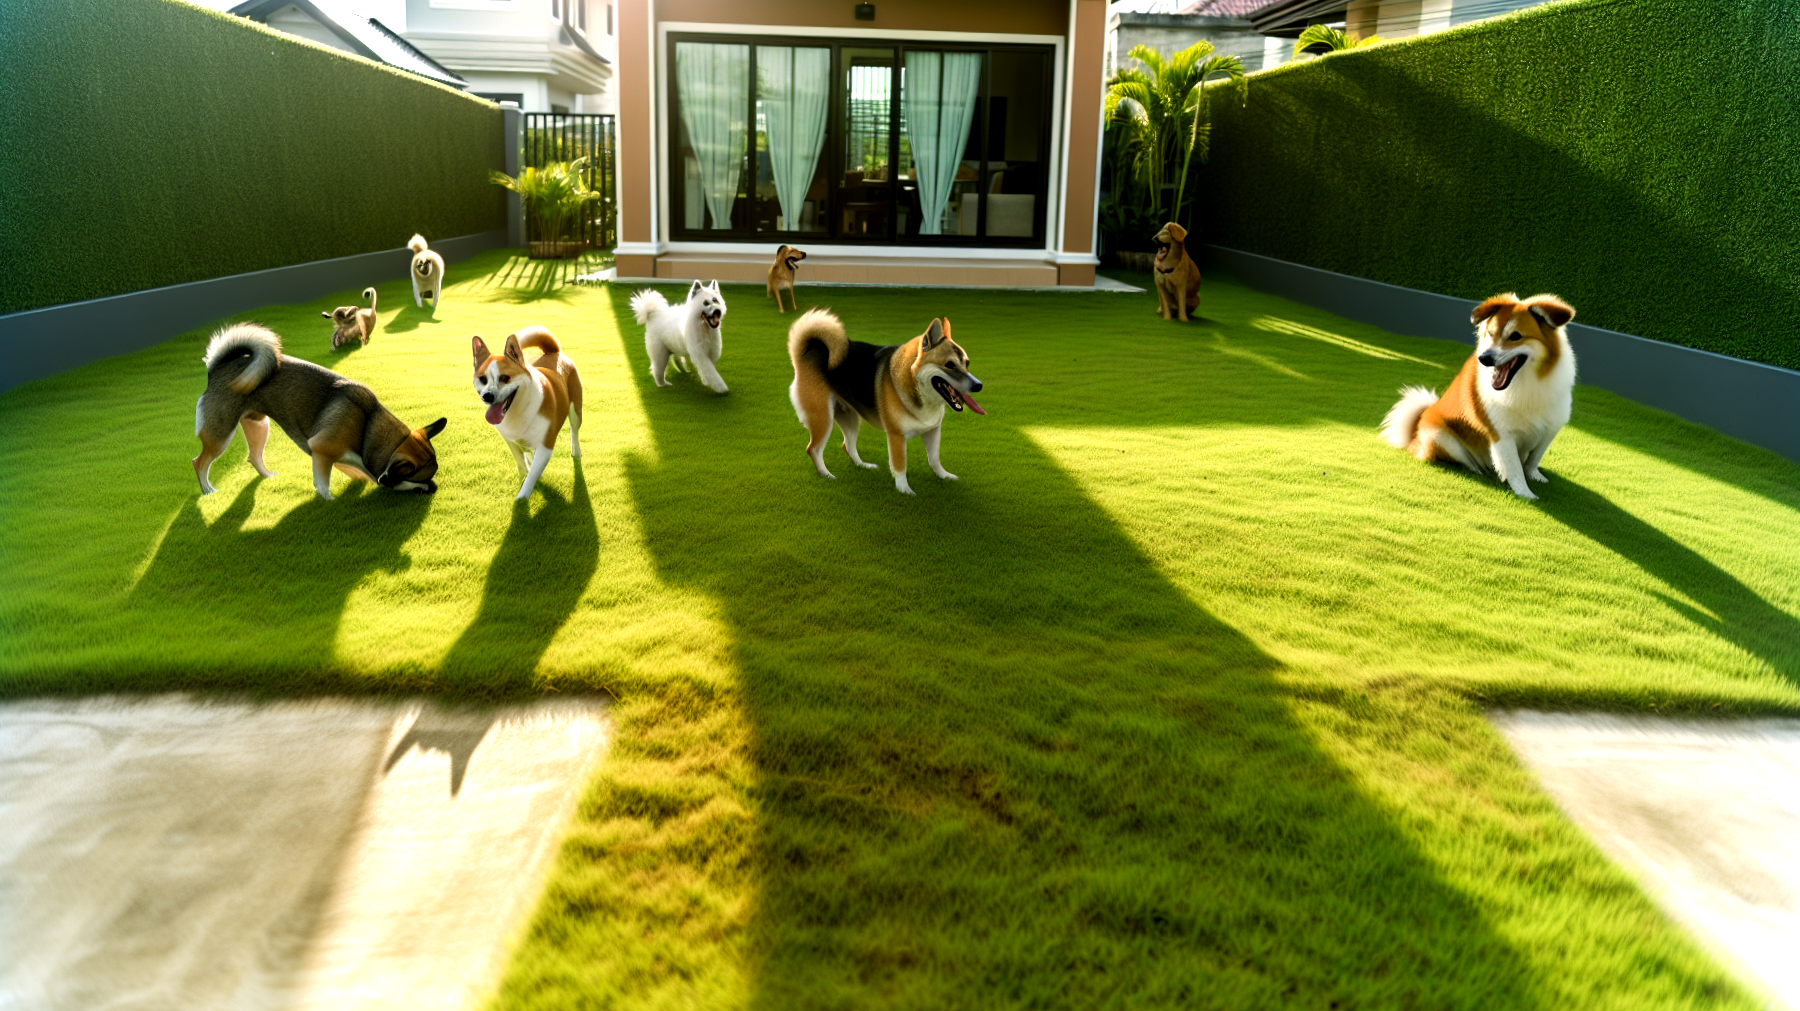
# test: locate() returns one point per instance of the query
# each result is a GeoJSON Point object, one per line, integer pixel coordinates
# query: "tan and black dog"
{"type": "Point", "coordinates": [336, 421]}
{"type": "Point", "coordinates": [350, 322]}
{"type": "Point", "coordinates": [784, 273]}
{"type": "Point", "coordinates": [1177, 276]}
{"type": "Point", "coordinates": [529, 404]}
{"type": "Point", "coordinates": [904, 388]}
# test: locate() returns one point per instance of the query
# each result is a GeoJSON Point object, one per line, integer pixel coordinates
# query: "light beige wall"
{"type": "Point", "coordinates": [637, 133]}
{"type": "Point", "coordinates": [1087, 81]}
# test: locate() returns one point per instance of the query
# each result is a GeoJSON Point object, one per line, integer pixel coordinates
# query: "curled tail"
{"type": "Point", "coordinates": [646, 303]}
{"type": "Point", "coordinates": [416, 243]}
{"type": "Point", "coordinates": [540, 338]}
{"type": "Point", "coordinates": [818, 325]}
{"type": "Point", "coordinates": [244, 339]}
{"type": "Point", "coordinates": [369, 293]}
{"type": "Point", "coordinates": [1402, 421]}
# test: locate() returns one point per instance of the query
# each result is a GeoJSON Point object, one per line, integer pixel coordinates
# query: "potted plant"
{"type": "Point", "coordinates": [555, 195]}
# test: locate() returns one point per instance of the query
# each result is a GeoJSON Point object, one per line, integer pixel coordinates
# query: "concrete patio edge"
{"type": "Point", "coordinates": [43, 342]}
{"type": "Point", "coordinates": [1757, 403]}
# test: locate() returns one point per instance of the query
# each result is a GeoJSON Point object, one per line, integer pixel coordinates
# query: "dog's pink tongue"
{"type": "Point", "coordinates": [973, 406]}
{"type": "Point", "coordinates": [494, 413]}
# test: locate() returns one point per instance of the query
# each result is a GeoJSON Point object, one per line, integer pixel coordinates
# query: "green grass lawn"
{"type": "Point", "coordinates": [1174, 700]}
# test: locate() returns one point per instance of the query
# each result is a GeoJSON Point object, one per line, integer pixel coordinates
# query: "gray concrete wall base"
{"type": "Point", "coordinates": [43, 342]}
{"type": "Point", "coordinates": [1757, 403]}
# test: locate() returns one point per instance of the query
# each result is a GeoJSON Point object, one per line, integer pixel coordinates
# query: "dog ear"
{"type": "Point", "coordinates": [1177, 232]}
{"type": "Point", "coordinates": [934, 335]}
{"type": "Point", "coordinates": [430, 431]}
{"type": "Point", "coordinates": [326, 315]}
{"type": "Point", "coordinates": [481, 351]}
{"type": "Point", "coordinates": [1492, 306]}
{"type": "Point", "coordinates": [714, 286]}
{"type": "Point", "coordinates": [782, 253]}
{"type": "Point", "coordinates": [1553, 312]}
{"type": "Point", "coordinates": [694, 290]}
{"type": "Point", "coordinates": [513, 350]}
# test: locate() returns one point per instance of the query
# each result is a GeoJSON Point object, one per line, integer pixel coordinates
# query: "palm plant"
{"type": "Point", "coordinates": [1317, 40]}
{"type": "Point", "coordinates": [554, 194]}
{"type": "Point", "coordinates": [1156, 118]}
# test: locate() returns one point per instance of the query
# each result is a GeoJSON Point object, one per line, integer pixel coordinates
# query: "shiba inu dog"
{"type": "Point", "coordinates": [427, 272]}
{"type": "Point", "coordinates": [528, 404]}
{"type": "Point", "coordinates": [784, 273]}
{"type": "Point", "coordinates": [336, 421]}
{"type": "Point", "coordinates": [1510, 399]}
{"type": "Point", "coordinates": [352, 323]}
{"type": "Point", "coordinates": [904, 388]}
{"type": "Point", "coordinates": [688, 332]}
{"type": "Point", "coordinates": [1177, 276]}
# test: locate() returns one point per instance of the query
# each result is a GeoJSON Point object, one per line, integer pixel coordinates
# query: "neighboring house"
{"type": "Point", "coordinates": [1390, 19]}
{"type": "Point", "coordinates": [1224, 23]}
{"type": "Point", "coordinates": [936, 142]}
{"type": "Point", "coordinates": [348, 29]}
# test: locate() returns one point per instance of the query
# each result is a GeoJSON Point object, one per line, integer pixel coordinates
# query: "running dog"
{"type": "Point", "coordinates": [1508, 402]}
{"type": "Point", "coordinates": [427, 273]}
{"type": "Point", "coordinates": [528, 404]}
{"type": "Point", "coordinates": [336, 421]}
{"type": "Point", "coordinates": [1177, 276]}
{"type": "Point", "coordinates": [351, 322]}
{"type": "Point", "coordinates": [783, 275]}
{"type": "Point", "coordinates": [849, 382]}
{"type": "Point", "coordinates": [688, 332]}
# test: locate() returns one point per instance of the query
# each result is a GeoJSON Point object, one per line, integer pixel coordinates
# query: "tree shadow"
{"type": "Point", "coordinates": [534, 583]}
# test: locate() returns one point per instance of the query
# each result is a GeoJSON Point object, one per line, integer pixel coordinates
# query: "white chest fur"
{"type": "Point", "coordinates": [525, 420]}
{"type": "Point", "coordinates": [1533, 409]}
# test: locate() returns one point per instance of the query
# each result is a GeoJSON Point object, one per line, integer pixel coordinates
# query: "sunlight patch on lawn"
{"type": "Point", "coordinates": [1293, 329]}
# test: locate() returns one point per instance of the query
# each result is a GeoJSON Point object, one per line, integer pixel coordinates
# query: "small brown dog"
{"type": "Point", "coordinates": [351, 322]}
{"type": "Point", "coordinates": [1177, 276]}
{"type": "Point", "coordinates": [783, 275]}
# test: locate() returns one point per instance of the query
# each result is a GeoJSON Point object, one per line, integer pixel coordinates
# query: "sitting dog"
{"type": "Point", "coordinates": [687, 333]}
{"type": "Point", "coordinates": [351, 322]}
{"type": "Point", "coordinates": [427, 273]}
{"type": "Point", "coordinates": [838, 379]}
{"type": "Point", "coordinates": [1177, 277]}
{"type": "Point", "coordinates": [336, 421]}
{"type": "Point", "coordinates": [784, 273]}
{"type": "Point", "coordinates": [529, 403]}
{"type": "Point", "coordinates": [1506, 405]}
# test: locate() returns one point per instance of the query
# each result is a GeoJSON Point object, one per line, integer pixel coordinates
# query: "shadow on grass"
{"type": "Point", "coordinates": [411, 317]}
{"type": "Point", "coordinates": [1000, 761]}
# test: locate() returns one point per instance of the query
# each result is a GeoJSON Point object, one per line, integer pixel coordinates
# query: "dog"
{"type": "Point", "coordinates": [685, 333]}
{"type": "Point", "coordinates": [528, 404]}
{"type": "Point", "coordinates": [351, 322]}
{"type": "Point", "coordinates": [334, 420]}
{"type": "Point", "coordinates": [1506, 405]}
{"type": "Point", "coordinates": [904, 388]}
{"type": "Point", "coordinates": [784, 274]}
{"type": "Point", "coordinates": [427, 273]}
{"type": "Point", "coordinates": [1177, 276]}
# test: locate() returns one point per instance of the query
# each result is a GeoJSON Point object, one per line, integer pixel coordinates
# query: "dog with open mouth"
{"type": "Point", "coordinates": [1511, 398]}
{"type": "Point", "coordinates": [688, 333]}
{"type": "Point", "coordinates": [784, 274]}
{"type": "Point", "coordinates": [528, 404]}
{"type": "Point", "coordinates": [907, 389]}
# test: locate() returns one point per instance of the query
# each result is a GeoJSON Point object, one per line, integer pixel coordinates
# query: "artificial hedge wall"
{"type": "Point", "coordinates": [1641, 159]}
{"type": "Point", "coordinates": [151, 142]}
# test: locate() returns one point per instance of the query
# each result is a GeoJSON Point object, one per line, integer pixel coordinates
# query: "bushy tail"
{"type": "Point", "coordinates": [647, 302]}
{"type": "Point", "coordinates": [416, 243]}
{"type": "Point", "coordinates": [369, 293]}
{"type": "Point", "coordinates": [259, 342]}
{"type": "Point", "coordinates": [818, 325]}
{"type": "Point", "coordinates": [1402, 421]}
{"type": "Point", "coordinates": [540, 338]}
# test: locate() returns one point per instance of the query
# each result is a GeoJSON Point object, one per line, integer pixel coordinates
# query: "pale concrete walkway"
{"type": "Point", "coordinates": [324, 854]}
{"type": "Point", "coordinates": [1705, 813]}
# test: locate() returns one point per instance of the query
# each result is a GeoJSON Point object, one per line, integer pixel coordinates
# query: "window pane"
{"type": "Point", "coordinates": [793, 89]}
{"type": "Point", "coordinates": [867, 185]}
{"type": "Point", "coordinates": [1014, 191]}
{"type": "Point", "coordinates": [713, 95]}
{"type": "Point", "coordinates": [937, 112]}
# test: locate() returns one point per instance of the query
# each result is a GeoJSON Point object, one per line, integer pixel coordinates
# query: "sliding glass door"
{"type": "Point", "coordinates": [791, 139]}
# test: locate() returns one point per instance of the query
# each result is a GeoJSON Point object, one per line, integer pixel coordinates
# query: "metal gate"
{"type": "Point", "coordinates": [568, 136]}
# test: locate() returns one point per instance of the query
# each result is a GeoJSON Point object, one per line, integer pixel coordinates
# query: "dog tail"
{"type": "Point", "coordinates": [540, 338]}
{"type": "Point", "coordinates": [369, 293]}
{"type": "Point", "coordinates": [416, 243]}
{"type": "Point", "coordinates": [1402, 421]}
{"type": "Point", "coordinates": [240, 339]}
{"type": "Point", "coordinates": [647, 303]}
{"type": "Point", "coordinates": [818, 325]}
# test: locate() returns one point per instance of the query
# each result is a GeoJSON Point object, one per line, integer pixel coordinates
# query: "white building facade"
{"type": "Point", "coordinates": [547, 55]}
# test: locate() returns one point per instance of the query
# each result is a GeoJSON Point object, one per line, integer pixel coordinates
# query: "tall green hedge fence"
{"type": "Point", "coordinates": [151, 142]}
{"type": "Point", "coordinates": [1641, 158]}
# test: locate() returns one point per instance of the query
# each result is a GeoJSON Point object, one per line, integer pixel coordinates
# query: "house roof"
{"type": "Point", "coordinates": [364, 36]}
{"type": "Point", "coordinates": [1224, 8]}
{"type": "Point", "coordinates": [1288, 18]}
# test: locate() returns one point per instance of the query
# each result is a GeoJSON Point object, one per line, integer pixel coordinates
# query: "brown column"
{"type": "Point", "coordinates": [1087, 83]}
{"type": "Point", "coordinates": [636, 85]}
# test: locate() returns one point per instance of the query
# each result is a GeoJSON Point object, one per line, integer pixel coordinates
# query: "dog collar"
{"type": "Point", "coordinates": [1171, 270]}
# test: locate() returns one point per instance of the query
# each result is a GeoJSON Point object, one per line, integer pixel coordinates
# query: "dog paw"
{"type": "Point", "coordinates": [865, 466]}
{"type": "Point", "coordinates": [1526, 493]}
{"type": "Point", "coordinates": [1538, 476]}
{"type": "Point", "coordinates": [721, 388]}
{"type": "Point", "coordinates": [946, 475]}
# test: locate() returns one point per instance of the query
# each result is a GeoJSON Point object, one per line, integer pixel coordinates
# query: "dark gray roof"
{"type": "Point", "coordinates": [1225, 8]}
{"type": "Point", "coordinates": [366, 36]}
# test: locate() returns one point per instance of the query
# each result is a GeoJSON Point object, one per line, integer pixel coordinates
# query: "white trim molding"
{"type": "Point", "coordinates": [885, 252]}
{"type": "Point", "coordinates": [1063, 259]}
{"type": "Point", "coordinates": [640, 248]}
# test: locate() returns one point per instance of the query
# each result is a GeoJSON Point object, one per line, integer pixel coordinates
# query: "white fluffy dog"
{"type": "Point", "coordinates": [688, 333]}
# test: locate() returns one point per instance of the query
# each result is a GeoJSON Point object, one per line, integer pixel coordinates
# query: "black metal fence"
{"type": "Point", "coordinates": [569, 136]}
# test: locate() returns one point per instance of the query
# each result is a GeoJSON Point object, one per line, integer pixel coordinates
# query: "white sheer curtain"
{"type": "Point", "coordinates": [714, 79]}
{"type": "Point", "coordinates": [792, 91]}
{"type": "Point", "coordinates": [938, 97]}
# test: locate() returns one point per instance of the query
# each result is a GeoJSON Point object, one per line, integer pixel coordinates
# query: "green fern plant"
{"type": "Point", "coordinates": [554, 195]}
{"type": "Point", "coordinates": [1156, 118]}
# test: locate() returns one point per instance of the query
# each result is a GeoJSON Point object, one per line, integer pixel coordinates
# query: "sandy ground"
{"type": "Point", "coordinates": [1705, 813]}
{"type": "Point", "coordinates": [338, 854]}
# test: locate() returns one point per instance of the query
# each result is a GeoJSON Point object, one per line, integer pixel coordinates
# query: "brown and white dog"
{"type": "Point", "coordinates": [427, 273]}
{"type": "Point", "coordinates": [1177, 276]}
{"type": "Point", "coordinates": [904, 388]}
{"type": "Point", "coordinates": [784, 273]}
{"type": "Point", "coordinates": [528, 404]}
{"type": "Point", "coordinates": [1510, 399]}
{"type": "Point", "coordinates": [336, 421]}
{"type": "Point", "coordinates": [352, 323]}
